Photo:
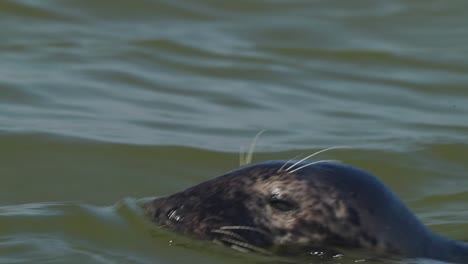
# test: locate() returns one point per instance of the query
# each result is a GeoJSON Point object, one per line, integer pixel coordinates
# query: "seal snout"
{"type": "Point", "coordinates": [163, 211]}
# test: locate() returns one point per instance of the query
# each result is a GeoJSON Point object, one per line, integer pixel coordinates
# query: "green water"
{"type": "Point", "coordinates": [103, 103]}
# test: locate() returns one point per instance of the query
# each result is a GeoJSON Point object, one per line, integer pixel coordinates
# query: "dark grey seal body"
{"type": "Point", "coordinates": [279, 207]}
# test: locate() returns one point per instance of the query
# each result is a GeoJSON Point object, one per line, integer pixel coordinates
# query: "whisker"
{"type": "Point", "coordinates": [229, 233]}
{"type": "Point", "coordinates": [313, 154]}
{"type": "Point", "coordinates": [312, 163]}
{"type": "Point", "coordinates": [238, 248]}
{"type": "Point", "coordinates": [248, 159]}
{"type": "Point", "coordinates": [218, 242]}
{"type": "Point", "coordinates": [213, 217]}
{"type": "Point", "coordinates": [244, 247]}
{"type": "Point", "coordinates": [286, 163]}
{"type": "Point", "coordinates": [244, 228]}
{"type": "Point", "coordinates": [241, 157]}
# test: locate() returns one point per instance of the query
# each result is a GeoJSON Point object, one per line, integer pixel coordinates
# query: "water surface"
{"type": "Point", "coordinates": [104, 103]}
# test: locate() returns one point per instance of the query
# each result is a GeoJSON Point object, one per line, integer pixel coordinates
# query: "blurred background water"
{"type": "Point", "coordinates": [106, 102]}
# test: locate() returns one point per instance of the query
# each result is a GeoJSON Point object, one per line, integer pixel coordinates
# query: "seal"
{"type": "Point", "coordinates": [289, 207]}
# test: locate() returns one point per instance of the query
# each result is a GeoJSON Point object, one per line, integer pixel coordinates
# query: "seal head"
{"type": "Point", "coordinates": [274, 207]}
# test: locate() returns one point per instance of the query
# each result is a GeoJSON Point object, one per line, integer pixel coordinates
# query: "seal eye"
{"type": "Point", "coordinates": [282, 205]}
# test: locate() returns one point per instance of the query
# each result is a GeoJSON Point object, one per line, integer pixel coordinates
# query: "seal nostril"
{"type": "Point", "coordinates": [173, 215]}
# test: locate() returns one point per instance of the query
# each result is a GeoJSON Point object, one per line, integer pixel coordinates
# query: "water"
{"type": "Point", "coordinates": [104, 103]}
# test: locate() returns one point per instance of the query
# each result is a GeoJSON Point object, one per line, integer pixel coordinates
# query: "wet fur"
{"type": "Point", "coordinates": [275, 208]}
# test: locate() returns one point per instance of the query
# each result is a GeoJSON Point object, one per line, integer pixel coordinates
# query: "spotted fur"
{"type": "Point", "coordinates": [275, 208]}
